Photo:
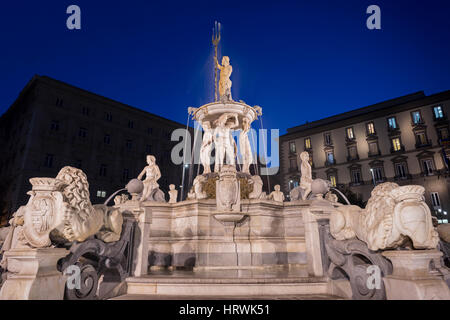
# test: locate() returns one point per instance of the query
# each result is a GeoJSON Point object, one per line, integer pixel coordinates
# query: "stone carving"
{"type": "Point", "coordinates": [205, 150]}
{"type": "Point", "coordinates": [330, 196]}
{"type": "Point", "coordinates": [244, 144]}
{"type": "Point", "coordinates": [224, 80]}
{"type": "Point", "coordinates": [351, 259]}
{"type": "Point", "coordinates": [152, 174]}
{"type": "Point", "coordinates": [120, 199]}
{"type": "Point", "coordinates": [228, 193]}
{"type": "Point", "coordinates": [224, 142]}
{"type": "Point", "coordinates": [173, 194]}
{"type": "Point", "coordinates": [277, 195]}
{"type": "Point", "coordinates": [304, 189]}
{"type": "Point", "coordinates": [197, 191]}
{"type": "Point", "coordinates": [257, 192]}
{"type": "Point", "coordinates": [59, 211]}
{"type": "Point", "coordinates": [393, 216]}
{"type": "Point", "coordinates": [306, 178]}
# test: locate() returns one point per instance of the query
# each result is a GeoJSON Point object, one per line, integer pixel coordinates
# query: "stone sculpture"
{"type": "Point", "coordinates": [173, 194]}
{"type": "Point", "coordinates": [197, 189]}
{"type": "Point", "coordinates": [394, 217]}
{"type": "Point", "coordinates": [152, 174]}
{"type": "Point", "coordinates": [257, 192]}
{"type": "Point", "coordinates": [244, 144]}
{"type": "Point", "coordinates": [304, 189]}
{"type": "Point", "coordinates": [205, 149]}
{"type": "Point", "coordinates": [224, 142]}
{"type": "Point", "coordinates": [59, 211]}
{"type": "Point", "coordinates": [228, 193]}
{"type": "Point", "coordinates": [224, 80]}
{"type": "Point", "coordinates": [120, 199]}
{"type": "Point", "coordinates": [306, 178]}
{"type": "Point", "coordinates": [277, 195]}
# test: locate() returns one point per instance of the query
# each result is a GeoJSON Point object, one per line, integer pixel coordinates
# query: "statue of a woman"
{"type": "Point", "coordinates": [224, 80]}
{"type": "Point", "coordinates": [152, 175]}
{"type": "Point", "coordinates": [205, 150]}
{"type": "Point", "coordinates": [244, 144]}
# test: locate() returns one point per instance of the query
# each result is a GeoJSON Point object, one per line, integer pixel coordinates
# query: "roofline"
{"type": "Point", "coordinates": [368, 110]}
{"type": "Point", "coordinates": [50, 81]}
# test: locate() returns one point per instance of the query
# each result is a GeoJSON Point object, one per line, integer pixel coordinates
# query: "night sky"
{"type": "Point", "coordinates": [299, 60]}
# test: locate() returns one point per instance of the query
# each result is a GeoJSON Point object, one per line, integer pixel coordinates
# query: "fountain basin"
{"type": "Point", "coordinates": [229, 217]}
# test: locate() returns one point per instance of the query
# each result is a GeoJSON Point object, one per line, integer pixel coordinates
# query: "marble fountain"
{"type": "Point", "coordinates": [228, 239]}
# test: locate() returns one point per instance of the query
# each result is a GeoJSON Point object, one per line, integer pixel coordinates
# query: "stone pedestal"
{"type": "Point", "coordinates": [142, 215]}
{"type": "Point", "coordinates": [33, 275]}
{"type": "Point", "coordinates": [411, 278]}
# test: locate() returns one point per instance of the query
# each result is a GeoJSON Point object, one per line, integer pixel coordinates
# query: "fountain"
{"type": "Point", "coordinates": [228, 238]}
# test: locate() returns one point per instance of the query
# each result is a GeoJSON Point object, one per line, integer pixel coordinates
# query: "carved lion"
{"type": "Point", "coordinates": [393, 216]}
{"type": "Point", "coordinates": [60, 211]}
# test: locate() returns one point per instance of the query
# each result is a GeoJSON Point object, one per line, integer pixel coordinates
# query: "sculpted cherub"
{"type": "Point", "coordinates": [152, 175]}
{"type": "Point", "coordinates": [224, 81]}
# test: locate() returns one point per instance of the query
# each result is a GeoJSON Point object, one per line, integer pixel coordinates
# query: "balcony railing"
{"type": "Point", "coordinates": [374, 154]}
{"type": "Point", "coordinates": [330, 162]}
{"type": "Point", "coordinates": [352, 158]}
{"type": "Point", "coordinates": [402, 149]}
{"type": "Point", "coordinates": [420, 144]}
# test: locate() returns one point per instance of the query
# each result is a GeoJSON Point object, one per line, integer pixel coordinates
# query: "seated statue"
{"type": "Point", "coordinates": [152, 174]}
{"type": "Point", "coordinates": [394, 217]}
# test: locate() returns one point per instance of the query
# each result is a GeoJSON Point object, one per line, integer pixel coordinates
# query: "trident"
{"type": "Point", "coordinates": [215, 42]}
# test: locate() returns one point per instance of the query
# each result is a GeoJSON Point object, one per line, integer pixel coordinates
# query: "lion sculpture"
{"type": "Point", "coordinates": [59, 211]}
{"type": "Point", "coordinates": [394, 217]}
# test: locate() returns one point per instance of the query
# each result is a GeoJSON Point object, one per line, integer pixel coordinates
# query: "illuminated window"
{"type": "Point", "coordinates": [392, 123]}
{"type": "Point", "coordinates": [438, 113]}
{"type": "Point", "coordinates": [370, 128]}
{"type": "Point", "coordinates": [350, 134]}
{"type": "Point", "coordinates": [396, 145]}
{"type": "Point", "coordinates": [308, 143]}
{"type": "Point", "coordinates": [292, 147]}
{"type": "Point", "coordinates": [101, 194]}
{"type": "Point", "coordinates": [330, 157]}
{"type": "Point", "coordinates": [332, 179]}
{"type": "Point", "coordinates": [416, 117]}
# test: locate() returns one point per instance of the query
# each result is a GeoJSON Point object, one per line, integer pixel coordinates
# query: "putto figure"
{"type": "Point", "coordinates": [205, 150]}
{"type": "Point", "coordinates": [244, 144]}
{"type": "Point", "coordinates": [225, 144]}
{"type": "Point", "coordinates": [152, 175]}
{"type": "Point", "coordinates": [224, 80]}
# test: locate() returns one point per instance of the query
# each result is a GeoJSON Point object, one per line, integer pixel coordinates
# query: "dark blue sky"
{"type": "Point", "coordinates": [299, 60]}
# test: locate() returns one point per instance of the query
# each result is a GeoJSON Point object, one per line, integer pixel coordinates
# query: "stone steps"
{"type": "Point", "coordinates": [226, 288]}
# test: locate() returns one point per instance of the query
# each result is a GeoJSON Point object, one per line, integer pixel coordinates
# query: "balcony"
{"type": "Point", "coordinates": [374, 154]}
{"type": "Point", "coordinates": [402, 178]}
{"type": "Point", "coordinates": [425, 144]}
{"type": "Point", "coordinates": [329, 163]}
{"type": "Point", "coordinates": [401, 150]}
{"type": "Point", "coordinates": [354, 158]}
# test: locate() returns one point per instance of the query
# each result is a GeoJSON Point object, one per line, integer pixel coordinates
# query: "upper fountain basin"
{"type": "Point", "coordinates": [212, 111]}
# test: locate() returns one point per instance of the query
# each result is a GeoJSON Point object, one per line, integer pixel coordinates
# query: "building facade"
{"type": "Point", "coordinates": [403, 140]}
{"type": "Point", "coordinates": [53, 124]}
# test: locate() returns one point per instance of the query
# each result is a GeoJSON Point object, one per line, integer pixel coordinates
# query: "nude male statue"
{"type": "Point", "coordinates": [152, 175]}
{"type": "Point", "coordinates": [224, 80]}
{"type": "Point", "coordinates": [225, 144]}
